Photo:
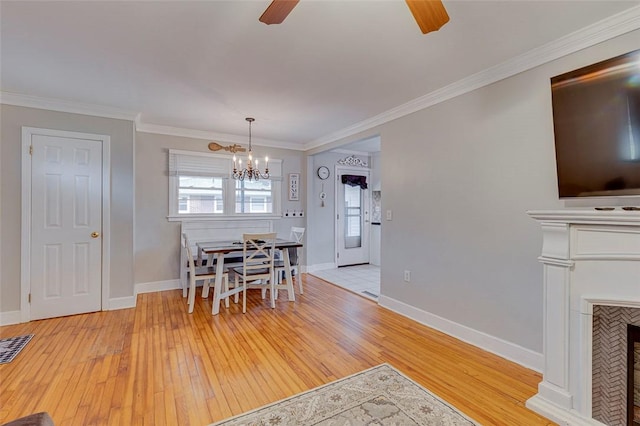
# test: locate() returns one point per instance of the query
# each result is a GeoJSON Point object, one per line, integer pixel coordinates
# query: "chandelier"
{"type": "Point", "coordinates": [251, 171]}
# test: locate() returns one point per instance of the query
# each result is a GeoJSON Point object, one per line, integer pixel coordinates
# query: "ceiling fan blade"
{"type": "Point", "coordinates": [277, 11]}
{"type": "Point", "coordinates": [429, 14]}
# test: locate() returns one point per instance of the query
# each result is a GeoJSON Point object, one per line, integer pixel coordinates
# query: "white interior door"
{"type": "Point", "coordinates": [353, 221]}
{"type": "Point", "coordinates": [65, 270]}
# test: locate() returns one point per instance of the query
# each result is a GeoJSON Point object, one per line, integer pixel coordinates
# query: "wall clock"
{"type": "Point", "coordinates": [323, 172]}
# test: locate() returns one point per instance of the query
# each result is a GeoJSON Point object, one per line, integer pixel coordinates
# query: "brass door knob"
{"type": "Point", "coordinates": [95, 234]}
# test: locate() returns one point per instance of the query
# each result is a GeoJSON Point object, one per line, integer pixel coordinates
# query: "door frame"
{"type": "Point", "coordinates": [338, 170]}
{"type": "Point", "coordinates": [25, 250]}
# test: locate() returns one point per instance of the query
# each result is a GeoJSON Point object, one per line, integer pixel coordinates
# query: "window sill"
{"type": "Point", "coordinates": [217, 217]}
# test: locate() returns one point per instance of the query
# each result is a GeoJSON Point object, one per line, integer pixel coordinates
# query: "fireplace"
{"type": "Point", "coordinates": [591, 270]}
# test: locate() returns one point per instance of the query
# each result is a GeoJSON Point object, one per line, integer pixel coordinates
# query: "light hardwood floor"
{"type": "Point", "coordinates": [158, 365]}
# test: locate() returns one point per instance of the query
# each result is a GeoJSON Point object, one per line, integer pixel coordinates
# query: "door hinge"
{"type": "Point", "coordinates": [338, 216]}
{"type": "Point", "coordinates": [29, 297]}
{"type": "Point", "coordinates": [30, 149]}
{"type": "Point", "coordinates": [338, 255]}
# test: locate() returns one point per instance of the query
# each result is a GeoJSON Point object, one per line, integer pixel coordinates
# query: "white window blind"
{"type": "Point", "coordinates": [198, 164]}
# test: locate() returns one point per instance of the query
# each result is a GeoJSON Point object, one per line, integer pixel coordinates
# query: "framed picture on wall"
{"type": "Point", "coordinates": [294, 186]}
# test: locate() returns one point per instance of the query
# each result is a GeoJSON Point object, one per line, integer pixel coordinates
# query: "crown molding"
{"type": "Point", "coordinates": [601, 31]}
{"type": "Point", "coordinates": [606, 29]}
{"type": "Point", "coordinates": [28, 101]}
{"type": "Point", "coordinates": [213, 136]}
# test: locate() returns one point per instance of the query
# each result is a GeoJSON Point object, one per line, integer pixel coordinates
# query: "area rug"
{"type": "Point", "coordinates": [378, 396]}
{"type": "Point", "coordinates": [10, 347]}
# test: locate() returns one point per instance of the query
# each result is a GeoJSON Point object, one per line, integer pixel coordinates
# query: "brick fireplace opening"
{"type": "Point", "coordinates": [613, 365]}
{"type": "Point", "coordinates": [633, 375]}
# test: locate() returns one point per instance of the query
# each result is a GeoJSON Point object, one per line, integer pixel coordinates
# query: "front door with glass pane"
{"type": "Point", "coordinates": [353, 222]}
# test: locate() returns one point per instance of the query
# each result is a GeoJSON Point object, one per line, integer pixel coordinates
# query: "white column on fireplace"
{"type": "Point", "coordinates": [590, 258]}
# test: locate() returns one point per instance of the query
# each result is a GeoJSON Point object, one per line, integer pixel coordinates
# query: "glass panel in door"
{"type": "Point", "coordinates": [353, 216]}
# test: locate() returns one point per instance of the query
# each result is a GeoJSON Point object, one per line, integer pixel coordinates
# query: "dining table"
{"type": "Point", "coordinates": [218, 250]}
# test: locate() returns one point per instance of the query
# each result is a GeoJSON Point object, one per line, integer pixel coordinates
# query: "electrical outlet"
{"type": "Point", "coordinates": [389, 215]}
{"type": "Point", "coordinates": [407, 276]}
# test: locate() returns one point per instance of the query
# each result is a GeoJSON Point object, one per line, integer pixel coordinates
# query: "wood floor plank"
{"type": "Point", "coordinates": [157, 364]}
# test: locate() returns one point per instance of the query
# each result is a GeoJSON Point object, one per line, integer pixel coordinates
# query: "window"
{"type": "Point", "coordinates": [254, 197]}
{"type": "Point", "coordinates": [198, 194]}
{"type": "Point", "coordinates": [200, 186]}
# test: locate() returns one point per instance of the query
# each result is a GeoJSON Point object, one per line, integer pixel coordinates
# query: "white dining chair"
{"type": "Point", "coordinates": [200, 273]}
{"type": "Point", "coordinates": [294, 258]}
{"type": "Point", "coordinates": [257, 269]}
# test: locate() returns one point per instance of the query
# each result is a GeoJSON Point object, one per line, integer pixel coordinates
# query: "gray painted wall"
{"type": "Point", "coordinates": [158, 240]}
{"type": "Point", "coordinates": [122, 196]}
{"type": "Point", "coordinates": [459, 178]}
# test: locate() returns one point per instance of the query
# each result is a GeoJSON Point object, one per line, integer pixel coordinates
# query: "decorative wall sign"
{"type": "Point", "coordinates": [215, 146]}
{"type": "Point", "coordinates": [294, 186]}
{"type": "Point", "coordinates": [353, 161]}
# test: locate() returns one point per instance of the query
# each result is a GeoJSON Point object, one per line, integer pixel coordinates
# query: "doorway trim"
{"type": "Point", "coordinates": [25, 232]}
{"type": "Point", "coordinates": [336, 191]}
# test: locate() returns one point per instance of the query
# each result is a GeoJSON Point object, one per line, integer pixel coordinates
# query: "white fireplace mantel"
{"type": "Point", "coordinates": [590, 258]}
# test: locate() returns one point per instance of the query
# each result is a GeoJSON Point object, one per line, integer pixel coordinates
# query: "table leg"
{"type": "Point", "coordinates": [287, 274]}
{"type": "Point", "coordinates": [217, 291]}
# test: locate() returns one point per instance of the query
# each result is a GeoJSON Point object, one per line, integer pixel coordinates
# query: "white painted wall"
{"type": "Point", "coordinates": [122, 196]}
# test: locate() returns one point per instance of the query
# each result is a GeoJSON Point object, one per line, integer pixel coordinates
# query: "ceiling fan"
{"type": "Point", "coordinates": [429, 14]}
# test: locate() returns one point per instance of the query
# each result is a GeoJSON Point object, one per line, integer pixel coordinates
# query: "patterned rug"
{"type": "Point", "coordinates": [11, 346]}
{"type": "Point", "coordinates": [378, 396]}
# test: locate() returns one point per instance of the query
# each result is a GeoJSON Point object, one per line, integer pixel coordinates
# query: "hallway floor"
{"type": "Point", "coordinates": [360, 279]}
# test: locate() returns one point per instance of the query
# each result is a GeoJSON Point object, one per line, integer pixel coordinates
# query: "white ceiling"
{"type": "Point", "coordinates": [207, 65]}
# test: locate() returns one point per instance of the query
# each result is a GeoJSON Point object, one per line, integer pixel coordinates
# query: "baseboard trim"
{"type": "Point", "coordinates": [15, 317]}
{"type": "Point", "coordinates": [508, 350]}
{"type": "Point", "coordinates": [11, 317]}
{"type": "Point", "coordinates": [558, 415]}
{"type": "Point", "coordinates": [320, 267]}
{"type": "Point", "coordinates": [153, 286]}
{"type": "Point", "coordinates": [121, 303]}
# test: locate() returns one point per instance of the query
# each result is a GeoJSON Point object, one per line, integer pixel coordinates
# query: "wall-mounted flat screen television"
{"type": "Point", "coordinates": [596, 122]}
